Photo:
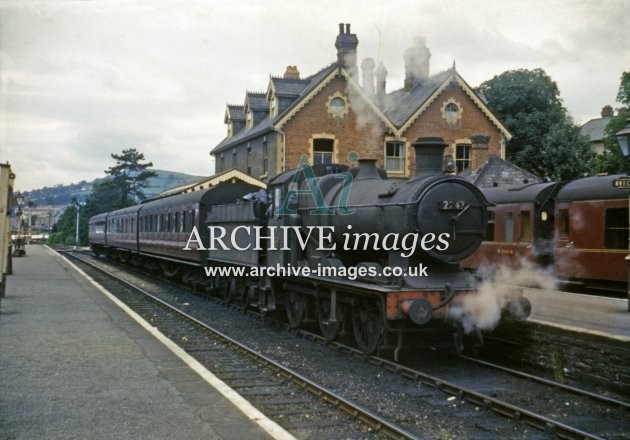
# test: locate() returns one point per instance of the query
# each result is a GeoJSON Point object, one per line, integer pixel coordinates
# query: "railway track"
{"type": "Point", "coordinates": [297, 403]}
{"type": "Point", "coordinates": [480, 400]}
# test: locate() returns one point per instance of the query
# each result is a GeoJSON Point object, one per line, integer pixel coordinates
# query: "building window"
{"type": "Point", "coordinates": [265, 156]}
{"type": "Point", "coordinates": [222, 163]}
{"type": "Point", "coordinates": [323, 151]}
{"type": "Point", "coordinates": [249, 119]}
{"type": "Point", "coordinates": [395, 157]}
{"type": "Point", "coordinates": [273, 107]}
{"type": "Point", "coordinates": [616, 228]}
{"type": "Point", "coordinates": [249, 159]}
{"type": "Point", "coordinates": [337, 105]}
{"type": "Point", "coordinates": [451, 111]}
{"type": "Point", "coordinates": [462, 157]}
{"type": "Point", "coordinates": [233, 157]}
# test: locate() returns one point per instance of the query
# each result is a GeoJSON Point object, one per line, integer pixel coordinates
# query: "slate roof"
{"type": "Point", "coordinates": [594, 128]}
{"type": "Point", "coordinates": [289, 86]}
{"type": "Point", "coordinates": [401, 104]}
{"type": "Point", "coordinates": [257, 101]}
{"type": "Point", "coordinates": [496, 171]}
{"type": "Point", "coordinates": [398, 106]}
{"type": "Point", "coordinates": [235, 112]}
{"type": "Point", "coordinates": [266, 124]}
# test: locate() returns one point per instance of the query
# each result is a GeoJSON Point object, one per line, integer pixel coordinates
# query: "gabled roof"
{"type": "Point", "coordinates": [234, 113]}
{"type": "Point", "coordinates": [401, 104]}
{"type": "Point", "coordinates": [496, 171]}
{"type": "Point", "coordinates": [595, 128]}
{"type": "Point", "coordinates": [289, 87]}
{"type": "Point", "coordinates": [256, 101]}
{"type": "Point", "coordinates": [400, 109]}
{"type": "Point", "coordinates": [403, 107]}
{"type": "Point", "coordinates": [267, 123]}
{"type": "Point", "coordinates": [233, 175]}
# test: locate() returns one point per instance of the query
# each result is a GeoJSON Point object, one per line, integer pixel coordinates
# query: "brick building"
{"type": "Point", "coordinates": [331, 113]}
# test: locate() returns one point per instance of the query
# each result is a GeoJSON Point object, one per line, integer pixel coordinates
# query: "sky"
{"type": "Point", "coordinates": [82, 79]}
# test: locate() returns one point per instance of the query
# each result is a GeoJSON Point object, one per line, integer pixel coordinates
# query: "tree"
{"type": "Point", "coordinates": [129, 176]}
{"type": "Point", "coordinates": [623, 95]}
{"type": "Point", "coordinates": [529, 104]}
{"type": "Point", "coordinates": [611, 161]}
{"type": "Point", "coordinates": [566, 153]}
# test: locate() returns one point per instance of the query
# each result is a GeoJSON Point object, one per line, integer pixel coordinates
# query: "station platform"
{"type": "Point", "coordinates": [75, 365]}
{"type": "Point", "coordinates": [608, 317]}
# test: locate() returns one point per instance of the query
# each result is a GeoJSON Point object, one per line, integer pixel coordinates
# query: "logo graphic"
{"type": "Point", "coordinates": [315, 192]}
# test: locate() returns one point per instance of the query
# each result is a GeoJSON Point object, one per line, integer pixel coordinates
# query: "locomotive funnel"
{"type": "Point", "coordinates": [429, 155]}
{"type": "Point", "coordinates": [367, 170]}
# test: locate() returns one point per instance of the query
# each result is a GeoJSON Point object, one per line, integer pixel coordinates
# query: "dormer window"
{"type": "Point", "coordinates": [249, 119]}
{"type": "Point", "coordinates": [273, 107]}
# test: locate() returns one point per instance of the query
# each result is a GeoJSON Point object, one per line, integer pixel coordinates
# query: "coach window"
{"type": "Point", "coordinates": [176, 225]}
{"type": "Point", "coordinates": [616, 228]}
{"type": "Point", "coordinates": [168, 222]}
{"type": "Point", "coordinates": [526, 226]}
{"type": "Point", "coordinates": [490, 228]}
{"type": "Point", "coordinates": [563, 223]}
{"type": "Point", "coordinates": [509, 227]}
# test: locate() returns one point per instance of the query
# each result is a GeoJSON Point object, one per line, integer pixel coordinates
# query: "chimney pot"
{"type": "Point", "coordinates": [607, 111]}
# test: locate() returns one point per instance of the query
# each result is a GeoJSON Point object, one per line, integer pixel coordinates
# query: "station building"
{"type": "Point", "coordinates": [333, 112]}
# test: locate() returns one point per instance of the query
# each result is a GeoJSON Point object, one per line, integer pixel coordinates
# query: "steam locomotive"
{"type": "Point", "coordinates": [344, 247]}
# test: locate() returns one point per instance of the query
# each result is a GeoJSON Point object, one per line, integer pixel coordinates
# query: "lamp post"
{"type": "Point", "coordinates": [623, 139]}
{"type": "Point", "coordinates": [19, 250]}
{"type": "Point", "coordinates": [76, 239]}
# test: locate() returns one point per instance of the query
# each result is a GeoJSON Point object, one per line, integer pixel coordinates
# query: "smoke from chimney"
{"type": "Point", "coordinates": [416, 63]}
{"type": "Point", "coordinates": [367, 66]}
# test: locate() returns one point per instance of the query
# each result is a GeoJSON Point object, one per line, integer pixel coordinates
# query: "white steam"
{"type": "Point", "coordinates": [499, 288]}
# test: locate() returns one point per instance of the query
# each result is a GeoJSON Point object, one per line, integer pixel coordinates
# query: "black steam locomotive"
{"type": "Point", "coordinates": [345, 247]}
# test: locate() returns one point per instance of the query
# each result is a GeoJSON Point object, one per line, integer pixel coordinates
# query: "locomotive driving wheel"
{"type": "Point", "coordinates": [367, 325]}
{"type": "Point", "coordinates": [329, 328]}
{"type": "Point", "coordinates": [295, 305]}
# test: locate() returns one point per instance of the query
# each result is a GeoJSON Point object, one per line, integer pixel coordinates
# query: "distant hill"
{"type": "Point", "coordinates": [63, 194]}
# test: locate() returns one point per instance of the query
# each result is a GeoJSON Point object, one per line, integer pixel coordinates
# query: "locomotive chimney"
{"type": "Point", "coordinates": [367, 170]}
{"type": "Point", "coordinates": [429, 155]}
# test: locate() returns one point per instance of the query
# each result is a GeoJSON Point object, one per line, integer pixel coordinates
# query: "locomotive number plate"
{"type": "Point", "coordinates": [451, 205]}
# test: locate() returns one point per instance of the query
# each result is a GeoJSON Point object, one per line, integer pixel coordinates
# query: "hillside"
{"type": "Point", "coordinates": [63, 194]}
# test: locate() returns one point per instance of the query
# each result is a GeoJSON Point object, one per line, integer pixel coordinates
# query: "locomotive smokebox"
{"type": "Point", "coordinates": [429, 155]}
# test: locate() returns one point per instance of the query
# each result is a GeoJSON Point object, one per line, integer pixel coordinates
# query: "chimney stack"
{"type": "Point", "coordinates": [346, 44]}
{"type": "Point", "coordinates": [367, 66]}
{"type": "Point", "coordinates": [480, 150]}
{"type": "Point", "coordinates": [416, 63]}
{"type": "Point", "coordinates": [607, 111]}
{"type": "Point", "coordinates": [292, 72]}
